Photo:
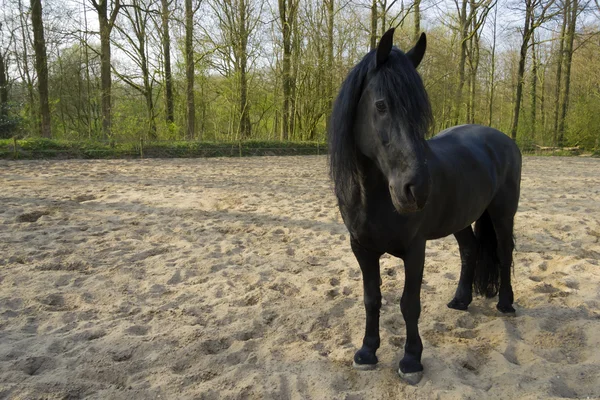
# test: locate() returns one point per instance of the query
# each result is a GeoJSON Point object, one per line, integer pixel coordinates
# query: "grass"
{"type": "Point", "coordinates": [39, 148]}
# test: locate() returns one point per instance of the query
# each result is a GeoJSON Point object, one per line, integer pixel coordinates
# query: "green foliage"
{"type": "Point", "coordinates": [74, 85]}
{"type": "Point", "coordinates": [9, 123]}
{"type": "Point", "coordinates": [38, 148]}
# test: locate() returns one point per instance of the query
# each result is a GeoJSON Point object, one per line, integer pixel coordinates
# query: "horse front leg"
{"type": "Point", "coordinates": [467, 244]}
{"type": "Point", "coordinates": [365, 358]}
{"type": "Point", "coordinates": [411, 369]}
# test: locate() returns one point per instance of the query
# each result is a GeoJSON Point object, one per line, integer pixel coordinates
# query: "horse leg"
{"type": "Point", "coordinates": [365, 358]}
{"type": "Point", "coordinates": [411, 368]}
{"type": "Point", "coordinates": [467, 245]}
{"type": "Point", "coordinates": [504, 234]}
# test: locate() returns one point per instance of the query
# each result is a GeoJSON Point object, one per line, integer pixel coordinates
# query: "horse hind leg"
{"type": "Point", "coordinates": [467, 245]}
{"type": "Point", "coordinates": [502, 213]}
{"type": "Point", "coordinates": [506, 245]}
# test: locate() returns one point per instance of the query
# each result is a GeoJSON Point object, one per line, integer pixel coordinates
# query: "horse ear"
{"type": "Point", "coordinates": [416, 54]}
{"type": "Point", "coordinates": [385, 46]}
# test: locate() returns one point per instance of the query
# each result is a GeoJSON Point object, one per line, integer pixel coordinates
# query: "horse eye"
{"type": "Point", "coordinates": [380, 105]}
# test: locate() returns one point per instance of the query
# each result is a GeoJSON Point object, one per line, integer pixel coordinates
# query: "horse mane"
{"type": "Point", "coordinates": [402, 85]}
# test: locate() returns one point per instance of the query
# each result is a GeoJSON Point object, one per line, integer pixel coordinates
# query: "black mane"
{"type": "Point", "coordinates": [400, 82]}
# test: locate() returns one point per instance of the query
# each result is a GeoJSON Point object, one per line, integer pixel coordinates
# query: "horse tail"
{"type": "Point", "coordinates": [487, 267]}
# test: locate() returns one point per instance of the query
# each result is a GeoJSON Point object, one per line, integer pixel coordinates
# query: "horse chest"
{"type": "Point", "coordinates": [379, 227]}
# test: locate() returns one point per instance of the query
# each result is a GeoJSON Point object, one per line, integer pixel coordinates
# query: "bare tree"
{"type": "Point", "coordinates": [559, 65]}
{"type": "Point", "coordinates": [3, 83]}
{"type": "Point", "coordinates": [493, 68]}
{"type": "Point", "coordinates": [373, 32]}
{"type": "Point", "coordinates": [574, 9]}
{"type": "Point", "coordinates": [106, 21]}
{"type": "Point", "coordinates": [41, 66]}
{"type": "Point", "coordinates": [239, 21]}
{"type": "Point", "coordinates": [288, 11]}
{"type": "Point", "coordinates": [532, 22]}
{"type": "Point", "coordinates": [189, 70]}
{"type": "Point", "coordinates": [166, 48]}
{"type": "Point", "coordinates": [534, 82]}
{"type": "Point", "coordinates": [137, 15]}
{"type": "Point", "coordinates": [330, 12]}
{"type": "Point", "coordinates": [417, 20]}
{"type": "Point", "coordinates": [469, 24]}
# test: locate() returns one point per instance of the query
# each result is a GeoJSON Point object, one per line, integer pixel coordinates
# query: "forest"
{"type": "Point", "coordinates": [237, 70]}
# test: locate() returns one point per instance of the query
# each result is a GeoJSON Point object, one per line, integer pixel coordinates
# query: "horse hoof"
{"type": "Point", "coordinates": [509, 309]}
{"type": "Point", "coordinates": [364, 367]}
{"type": "Point", "coordinates": [458, 305]}
{"type": "Point", "coordinates": [412, 378]}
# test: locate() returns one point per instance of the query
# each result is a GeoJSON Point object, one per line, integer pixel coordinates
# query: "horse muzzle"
{"type": "Point", "coordinates": [410, 195]}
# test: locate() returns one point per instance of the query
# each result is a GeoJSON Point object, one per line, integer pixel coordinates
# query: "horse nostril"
{"type": "Point", "coordinates": [409, 192]}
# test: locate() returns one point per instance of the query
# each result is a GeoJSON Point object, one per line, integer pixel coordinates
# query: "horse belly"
{"type": "Point", "coordinates": [459, 211]}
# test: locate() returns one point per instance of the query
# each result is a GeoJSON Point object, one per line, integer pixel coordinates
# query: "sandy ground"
{"type": "Point", "coordinates": [233, 279]}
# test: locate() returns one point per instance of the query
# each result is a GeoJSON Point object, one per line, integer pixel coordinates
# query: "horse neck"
{"type": "Point", "coordinates": [371, 179]}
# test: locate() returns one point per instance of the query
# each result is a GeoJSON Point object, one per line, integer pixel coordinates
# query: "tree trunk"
{"type": "Point", "coordinates": [295, 65]}
{"type": "Point", "coordinates": [493, 71]}
{"type": "Point", "coordinates": [88, 80]}
{"type": "Point", "coordinates": [464, 30]}
{"type": "Point", "coordinates": [106, 22]}
{"type": "Point", "coordinates": [166, 45]}
{"type": "Point", "coordinates": [559, 63]}
{"type": "Point", "coordinates": [152, 133]}
{"type": "Point", "coordinates": [26, 75]}
{"type": "Point", "coordinates": [417, 32]}
{"type": "Point", "coordinates": [41, 66]}
{"type": "Point", "coordinates": [521, 71]}
{"type": "Point", "coordinates": [245, 127]}
{"type": "Point", "coordinates": [3, 87]}
{"type": "Point", "coordinates": [533, 94]}
{"type": "Point", "coordinates": [383, 16]}
{"type": "Point", "coordinates": [189, 70]}
{"type": "Point", "coordinates": [543, 101]}
{"type": "Point", "coordinates": [568, 58]}
{"type": "Point", "coordinates": [329, 84]}
{"type": "Point", "coordinates": [373, 42]}
{"type": "Point", "coordinates": [287, 15]}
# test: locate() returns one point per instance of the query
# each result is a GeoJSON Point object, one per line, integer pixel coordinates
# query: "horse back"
{"type": "Point", "coordinates": [480, 147]}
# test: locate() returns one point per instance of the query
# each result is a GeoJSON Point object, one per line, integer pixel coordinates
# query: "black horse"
{"type": "Point", "coordinates": [396, 190]}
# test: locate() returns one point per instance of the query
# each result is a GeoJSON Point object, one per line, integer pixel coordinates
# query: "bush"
{"type": "Point", "coordinates": [34, 148]}
{"type": "Point", "coordinates": [9, 124]}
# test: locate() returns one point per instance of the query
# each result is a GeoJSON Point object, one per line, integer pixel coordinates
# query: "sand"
{"type": "Point", "coordinates": [234, 279]}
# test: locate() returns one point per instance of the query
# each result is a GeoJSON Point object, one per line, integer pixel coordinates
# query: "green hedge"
{"type": "Point", "coordinates": [38, 148]}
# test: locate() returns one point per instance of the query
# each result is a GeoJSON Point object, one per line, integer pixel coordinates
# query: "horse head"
{"type": "Point", "coordinates": [391, 119]}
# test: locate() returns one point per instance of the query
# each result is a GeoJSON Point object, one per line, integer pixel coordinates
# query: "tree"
{"type": "Point", "coordinates": [106, 21]}
{"type": "Point", "coordinates": [417, 20]}
{"type": "Point", "coordinates": [568, 57]}
{"type": "Point", "coordinates": [41, 66]}
{"type": "Point", "coordinates": [138, 17]}
{"type": "Point", "coordinates": [469, 24]}
{"type": "Point", "coordinates": [288, 11]}
{"type": "Point", "coordinates": [373, 36]}
{"type": "Point", "coordinates": [238, 20]}
{"type": "Point", "coordinates": [559, 65]}
{"type": "Point", "coordinates": [532, 21]}
{"type": "Point", "coordinates": [166, 48]}
{"type": "Point", "coordinates": [3, 84]}
{"type": "Point", "coordinates": [3, 90]}
{"type": "Point", "coordinates": [330, 12]}
{"type": "Point", "coordinates": [189, 70]}
{"type": "Point", "coordinates": [493, 68]}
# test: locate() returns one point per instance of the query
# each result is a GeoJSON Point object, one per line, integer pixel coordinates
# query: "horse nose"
{"type": "Point", "coordinates": [409, 193]}
{"type": "Point", "coordinates": [413, 193]}
{"type": "Point", "coordinates": [417, 191]}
